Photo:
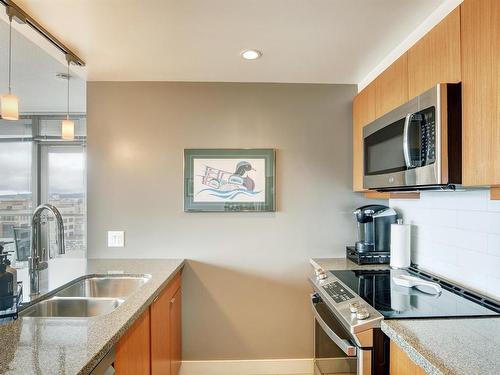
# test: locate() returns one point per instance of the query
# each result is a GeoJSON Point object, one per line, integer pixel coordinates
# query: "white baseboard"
{"type": "Point", "coordinates": [303, 366]}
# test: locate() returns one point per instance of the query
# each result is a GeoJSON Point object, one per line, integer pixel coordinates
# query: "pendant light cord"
{"type": "Point", "coordinates": [10, 52]}
{"type": "Point", "coordinates": [67, 102]}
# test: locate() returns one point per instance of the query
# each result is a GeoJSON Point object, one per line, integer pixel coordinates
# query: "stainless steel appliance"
{"type": "Point", "coordinates": [416, 146]}
{"type": "Point", "coordinates": [106, 365]}
{"type": "Point", "coordinates": [349, 306]}
{"type": "Point", "coordinates": [374, 234]}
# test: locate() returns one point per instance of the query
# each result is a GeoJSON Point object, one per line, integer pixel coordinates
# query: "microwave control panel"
{"type": "Point", "coordinates": [337, 292]}
{"type": "Point", "coordinates": [428, 137]}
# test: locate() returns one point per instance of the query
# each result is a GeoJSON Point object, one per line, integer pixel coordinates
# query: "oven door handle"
{"type": "Point", "coordinates": [406, 141]}
{"type": "Point", "coordinates": [345, 345]}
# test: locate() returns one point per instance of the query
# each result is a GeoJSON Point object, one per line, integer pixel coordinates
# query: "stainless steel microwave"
{"type": "Point", "coordinates": [416, 146]}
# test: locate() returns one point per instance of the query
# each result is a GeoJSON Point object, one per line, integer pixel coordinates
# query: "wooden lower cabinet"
{"type": "Point", "coordinates": [165, 330]}
{"type": "Point", "coordinates": [133, 355]}
{"type": "Point", "coordinates": [401, 364]}
{"type": "Point", "coordinates": [152, 346]}
{"type": "Point", "coordinates": [160, 335]}
{"type": "Point", "coordinates": [175, 333]}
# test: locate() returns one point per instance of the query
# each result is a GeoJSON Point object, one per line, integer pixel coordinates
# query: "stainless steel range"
{"type": "Point", "coordinates": [349, 306]}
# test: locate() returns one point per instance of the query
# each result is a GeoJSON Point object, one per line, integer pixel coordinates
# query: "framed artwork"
{"type": "Point", "coordinates": [225, 180]}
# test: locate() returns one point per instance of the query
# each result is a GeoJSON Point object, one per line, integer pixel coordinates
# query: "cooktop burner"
{"type": "Point", "coordinates": [378, 289]}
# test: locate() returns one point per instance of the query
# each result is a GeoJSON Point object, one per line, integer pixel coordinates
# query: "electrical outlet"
{"type": "Point", "coordinates": [116, 238]}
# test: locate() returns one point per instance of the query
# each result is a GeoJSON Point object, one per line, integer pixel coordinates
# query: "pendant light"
{"type": "Point", "coordinates": [9, 103]}
{"type": "Point", "coordinates": [68, 126]}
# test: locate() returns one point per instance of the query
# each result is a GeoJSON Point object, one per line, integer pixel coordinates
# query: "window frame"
{"type": "Point", "coordinates": [41, 144]}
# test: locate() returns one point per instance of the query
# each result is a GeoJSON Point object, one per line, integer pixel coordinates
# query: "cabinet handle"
{"type": "Point", "coordinates": [172, 301]}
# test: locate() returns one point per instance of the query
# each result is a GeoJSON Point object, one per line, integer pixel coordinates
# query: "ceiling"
{"type": "Point", "coordinates": [34, 72]}
{"type": "Point", "coordinates": [314, 41]}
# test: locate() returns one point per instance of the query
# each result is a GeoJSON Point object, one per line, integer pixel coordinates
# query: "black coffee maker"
{"type": "Point", "coordinates": [374, 234]}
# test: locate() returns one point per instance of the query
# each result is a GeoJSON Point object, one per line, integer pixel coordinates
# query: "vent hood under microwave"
{"type": "Point", "coordinates": [418, 145]}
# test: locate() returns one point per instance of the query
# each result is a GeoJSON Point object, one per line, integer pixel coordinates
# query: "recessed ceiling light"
{"type": "Point", "coordinates": [251, 54]}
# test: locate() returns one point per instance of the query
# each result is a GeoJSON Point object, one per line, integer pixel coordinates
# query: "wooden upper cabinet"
{"type": "Point", "coordinates": [364, 106]}
{"type": "Point", "coordinates": [436, 57]}
{"type": "Point", "coordinates": [391, 87]}
{"type": "Point", "coordinates": [363, 112]}
{"type": "Point", "coordinates": [133, 355]}
{"type": "Point", "coordinates": [480, 30]}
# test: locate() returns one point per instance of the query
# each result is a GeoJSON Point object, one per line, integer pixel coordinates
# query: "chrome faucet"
{"type": "Point", "coordinates": [38, 259]}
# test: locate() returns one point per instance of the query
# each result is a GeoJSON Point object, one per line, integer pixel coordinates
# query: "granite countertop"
{"type": "Point", "coordinates": [76, 345]}
{"type": "Point", "coordinates": [440, 346]}
{"type": "Point", "coordinates": [449, 346]}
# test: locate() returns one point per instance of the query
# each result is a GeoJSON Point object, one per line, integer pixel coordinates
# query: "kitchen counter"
{"type": "Point", "coordinates": [449, 346]}
{"type": "Point", "coordinates": [439, 346]}
{"type": "Point", "coordinates": [76, 345]}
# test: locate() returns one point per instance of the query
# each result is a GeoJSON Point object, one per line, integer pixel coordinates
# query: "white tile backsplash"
{"type": "Point", "coordinates": [456, 235]}
{"type": "Point", "coordinates": [493, 246]}
{"type": "Point", "coordinates": [494, 206]}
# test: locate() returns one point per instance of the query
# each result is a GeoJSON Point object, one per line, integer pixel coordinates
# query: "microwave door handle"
{"type": "Point", "coordinates": [406, 140]}
{"type": "Point", "coordinates": [349, 349]}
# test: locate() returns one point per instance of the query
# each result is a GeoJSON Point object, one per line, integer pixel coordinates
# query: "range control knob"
{"type": "Point", "coordinates": [362, 313]}
{"type": "Point", "coordinates": [320, 274]}
{"type": "Point", "coordinates": [354, 306]}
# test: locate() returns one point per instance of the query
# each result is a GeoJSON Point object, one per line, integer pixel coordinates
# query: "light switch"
{"type": "Point", "coordinates": [116, 238]}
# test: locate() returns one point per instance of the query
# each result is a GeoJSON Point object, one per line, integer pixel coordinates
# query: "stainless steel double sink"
{"type": "Point", "coordinates": [88, 296]}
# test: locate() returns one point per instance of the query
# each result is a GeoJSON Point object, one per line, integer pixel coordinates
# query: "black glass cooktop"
{"type": "Point", "coordinates": [396, 302]}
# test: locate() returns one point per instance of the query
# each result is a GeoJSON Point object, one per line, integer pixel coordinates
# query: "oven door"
{"type": "Point", "coordinates": [401, 148]}
{"type": "Point", "coordinates": [334, 351]}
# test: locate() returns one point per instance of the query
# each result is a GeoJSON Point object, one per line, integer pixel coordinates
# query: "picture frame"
{"type": "Point", "coordinates": [229, 180]}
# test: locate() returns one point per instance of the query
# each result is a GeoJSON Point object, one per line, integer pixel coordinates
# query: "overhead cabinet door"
{"type": "Point", "coordinates": [391, 87]}
{"type": "Point", "coordinates": [436, 57]}
{"type": "Point", "coordinates": [480, 30]}
{"type": "Point", "coordinates": [363, 112]}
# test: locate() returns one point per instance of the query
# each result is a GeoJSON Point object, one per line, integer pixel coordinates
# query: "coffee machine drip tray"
{"type": "Point", "coordinates": [369, 257]}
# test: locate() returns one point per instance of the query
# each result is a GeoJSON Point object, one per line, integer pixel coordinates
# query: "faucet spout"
{"type": "Point", "coordinates": [38, 261]}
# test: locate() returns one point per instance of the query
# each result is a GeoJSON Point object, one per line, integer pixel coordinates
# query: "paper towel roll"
{"type": "Point", "coordinates": [400, 245]}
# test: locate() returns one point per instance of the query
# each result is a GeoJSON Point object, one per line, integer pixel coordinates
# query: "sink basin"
{"type": "Point", "coordinates": [90, 296]}
{"type": "Point", "coordinates": [72, 307]}
{"type": "Point", "coordinates": [104, 287]}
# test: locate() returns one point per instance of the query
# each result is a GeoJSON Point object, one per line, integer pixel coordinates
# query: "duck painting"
{"type": "Point", "coordinates": [229, 185]}
{"type": "Point", "coordinates": [240, 176]}
{"type": "Point", "coordinates": [229, 180]}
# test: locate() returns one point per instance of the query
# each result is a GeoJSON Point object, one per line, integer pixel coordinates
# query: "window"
{"type": "Point", "coordinates": [16, 178]}
{"type": "Point", "coordinates": [36, 167]}
{"type": "Point", "coordinates": [63, 185]}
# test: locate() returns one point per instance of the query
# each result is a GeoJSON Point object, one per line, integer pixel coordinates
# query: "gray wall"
{"type": "Point", "coordinates": [245, 289]}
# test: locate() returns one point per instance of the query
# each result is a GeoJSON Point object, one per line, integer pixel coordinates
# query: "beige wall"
{"type": "Point", "coordinates": [245, 288]}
